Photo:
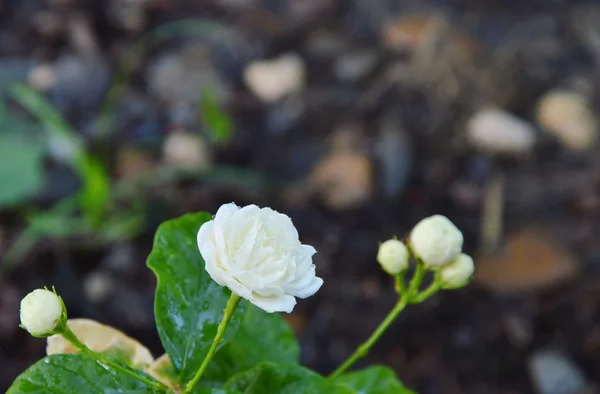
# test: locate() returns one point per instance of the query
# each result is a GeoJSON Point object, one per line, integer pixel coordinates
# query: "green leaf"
{"type": "Point", "coordinates": [208, 390]}
{"type": "Point", "coordinates": [374, 380]}
{"type": "Point", "coordinates": [215, 119]}
{"type": "Point", "coordinates": [188, 305]}
{"type": "Point", "coordinates": [20, 167]}
{"type": "Point", "coordinates": [74, 374]}
{"type": "Point", "coordinates": [270, 378]}
{"type": "Point", "coordinates": [94, 195]}
{"type": "Point", "coordinates": [261, 337]}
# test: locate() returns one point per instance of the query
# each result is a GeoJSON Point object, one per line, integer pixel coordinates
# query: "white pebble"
{"type": "Point", "coordinates": [186, 150]}
{"type": "Point", "coordinates": [568, 117]}
{"type": "Point", "coordinates": [498, 132]}
{"type": "Point", "coordinates": [271, 80]}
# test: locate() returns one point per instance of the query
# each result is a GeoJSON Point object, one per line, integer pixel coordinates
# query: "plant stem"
{"type": "Point", "coordinates": [134, 373]}
{"type": "Point", "coordinates": [416, 280]}
{"type": "Point", "coordinates": [229, 309]}
{"type": "Point", "coordinates": [406, 297]}
{"type": "Point", "coordinates": [363, 349]}
{"type": "Point", "coordinates": [425, 294]}
{"type": "Point", "coordinates": [399, 284]}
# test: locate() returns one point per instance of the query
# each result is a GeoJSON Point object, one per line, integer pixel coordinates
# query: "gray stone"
{"type": "Point", "coordinates": [552, 372]}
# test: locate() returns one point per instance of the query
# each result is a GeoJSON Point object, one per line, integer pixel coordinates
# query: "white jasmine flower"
{"type": "Point", "coordinates": [41, 312]}
{"type": "Point", "coordinates": [436, 241]}
{"type": "Point", "coordinates": [257, 254]}
{"type": "Point", "coordinates": [393, 256]}
{"type": "Point", "coordinates": [458, 272]}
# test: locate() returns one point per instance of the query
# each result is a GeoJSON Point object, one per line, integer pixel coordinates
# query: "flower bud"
{"type": "Point", "coordinates": [393, 256]}
{"type": "Point", "coordinates": [42, 313]}
{"type": "Point", "coordinates": [458, 272]}
{"type": "Point", "coordinates": [436, 241]}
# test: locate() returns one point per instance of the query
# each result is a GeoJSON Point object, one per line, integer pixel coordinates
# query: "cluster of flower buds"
{"type": "Point", "coordinates": [436, 243]}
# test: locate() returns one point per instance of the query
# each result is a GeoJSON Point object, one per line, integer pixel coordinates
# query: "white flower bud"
{"type": "Point", "coordinates": [436, 241]}
{"type": "Point", "coordinates": [458, 272]}
{"type": "Point", "coordinates": [393, 256]}
{"type": "Point", "coordinates": [41, 312]}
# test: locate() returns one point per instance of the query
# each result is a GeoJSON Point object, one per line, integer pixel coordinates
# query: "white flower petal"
{"type": "Point", "coordinates": [226, 211]}
{"type": "Point", "coordinates": [284, 303]}
{"type": "Point", "coordinates": [310, 289]}
{"type": "Point", "coordinates": [257, 254]}
{"type": "Point", "coordinates": [206, 236]}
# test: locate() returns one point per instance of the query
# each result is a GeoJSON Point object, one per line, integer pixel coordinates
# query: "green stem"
{"type": "Point", "coordinates": [229, 309]}
{"type": "Point", "coordinates": [416, 280]}
{"type": "Point", "coordinates": [400, 286]}
{"type": "Point", "coordinates": [363, 349]}
{"type": "Point", "coordinates": [425, 294]}
{"type": "Point", "coordinates": [138, 375]}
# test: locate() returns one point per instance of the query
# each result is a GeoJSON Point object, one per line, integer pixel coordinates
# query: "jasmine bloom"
{"type": "Point", "coordinates": [257, 254]}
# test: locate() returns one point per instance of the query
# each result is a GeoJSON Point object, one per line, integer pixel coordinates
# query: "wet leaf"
{"type": "Point", "coordinates": [102, 339]}
{"type": "Point", "coordinates": [380, 380]}
{"type": "Point", "coordinates": [74, 374]}
{"type": "Point", "coordinates": [163, 371]}
{"type": "Point", "coordinates": [188, 305]}
{"type": "Point", "coordinates": [283, 379]}
{"type": "Point", "coordinates": [262, 337]}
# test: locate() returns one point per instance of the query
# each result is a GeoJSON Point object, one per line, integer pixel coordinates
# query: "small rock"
{"type": "Point", "coordinates": [132, 162]}
{"type": "Point", "coordinates": [186, 150]}
{"type": "Point", "coordinates": [180, 77]}
{"type": "Point", "coordinates": [285, 114]}
{"type": "Point", "coordinates": [394, 151]}
{"type": "Point", "coordinates": [519, 329]}
{"type": "Point", "coordinates": [344, 179]}
{"type": "Point", "coordinates": [79, 81]}
{"type": "Point", "coordinates": [326, 44]}
{"type": "Point", "coordinates": [569, 118]}
{"type": "Point", "coordinates": [48, 23]}
{"type": "Point", "coordinates": [530, 261]}
{"type": "Point", "coordinates": [348, 136]}
{"type": "Point", "coordinates": [271, 80]}
{"type": "Point", "coordinates": [41, 77]}
{"type": "Point", "coordinates": [497, 132]}
{"type": "Point", "coordinates": [553, 373]}
{"type": "Point", "coordinates": [353, 66]}
{"type": "Point", "coordinates": [410, 34]}
{"type": "Point", "coordinates": [127, 14]}
{"type": "Point", "coordinates": [306, 11]}
{"type": "Point", "coordinates": [83, 36]}
{"type": "Point", "coordinates": [121, 258]}
{"type": "Point", "coordinates": [584, 23]}
{"type": "Point", "coordinates": [98, 285]}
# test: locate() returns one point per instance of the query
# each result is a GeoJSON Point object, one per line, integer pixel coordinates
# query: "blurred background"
{"type": "Point", "coordinates": [355, 117]}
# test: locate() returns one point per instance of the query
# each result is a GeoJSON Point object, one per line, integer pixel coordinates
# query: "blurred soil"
{"type": "Point", "coordinates": [357, 118]}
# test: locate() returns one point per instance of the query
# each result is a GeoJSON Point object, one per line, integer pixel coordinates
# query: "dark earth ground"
{"type": "Point", "coordinates": [477, 340]}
